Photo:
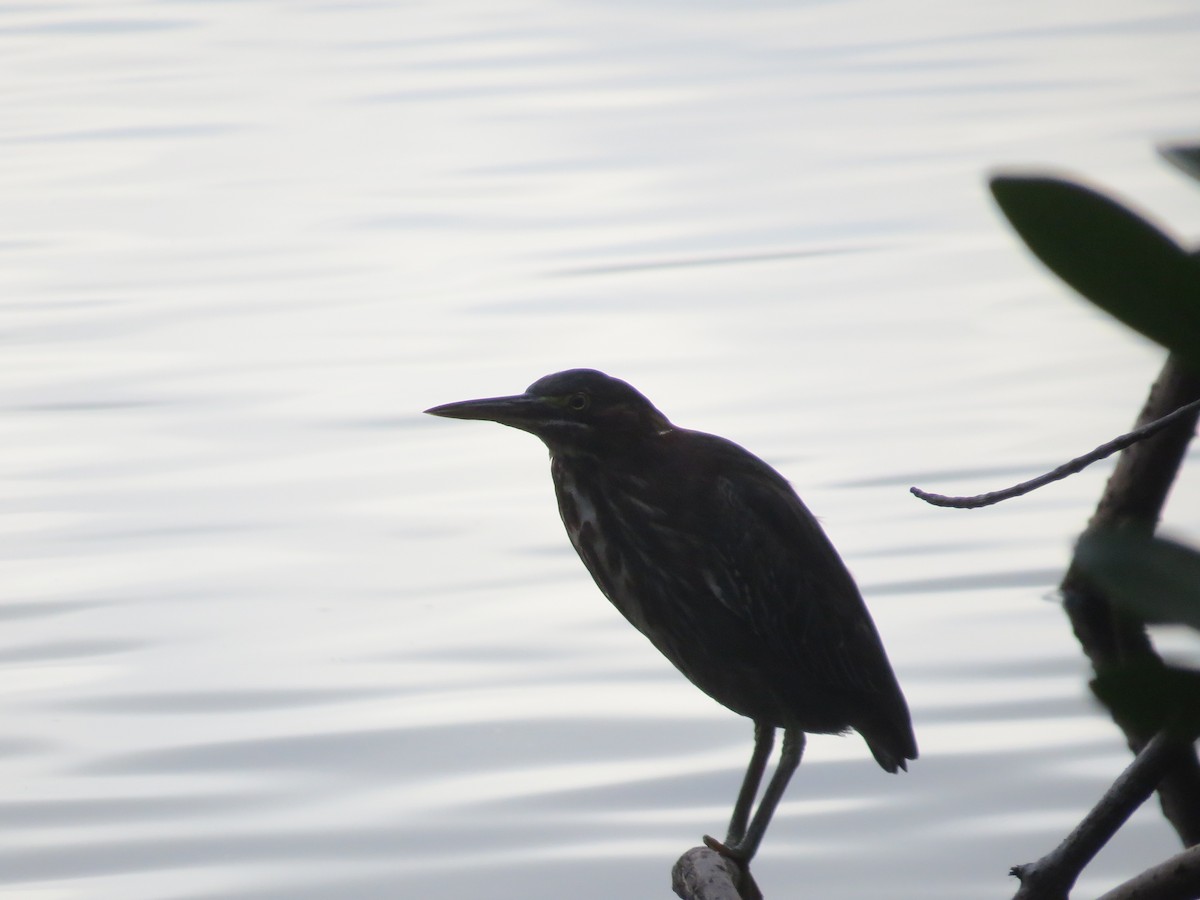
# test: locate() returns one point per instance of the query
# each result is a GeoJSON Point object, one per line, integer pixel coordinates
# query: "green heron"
{"type": "Point", "coordinates": [709, 552]}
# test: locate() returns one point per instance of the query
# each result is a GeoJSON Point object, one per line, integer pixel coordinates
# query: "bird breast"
{"type": "Point", "coordinates": [600, 534]}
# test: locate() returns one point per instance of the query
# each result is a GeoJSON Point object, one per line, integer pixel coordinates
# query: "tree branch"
{"type": "Point", "coordinates": [1134, 498]}
{"type": "Point", "coordinates": [1177, 878]}
{"type": "Point", "coordinates": [1052, 876]}
{"type": "Point", "coordinates": [704, 874]}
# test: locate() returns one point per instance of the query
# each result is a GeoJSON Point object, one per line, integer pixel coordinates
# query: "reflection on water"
{"type": "Point", "coordinates": [269, 633]}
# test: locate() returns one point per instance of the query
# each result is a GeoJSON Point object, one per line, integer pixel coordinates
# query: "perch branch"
{"type": "Point", "coordinates": [704, 874]}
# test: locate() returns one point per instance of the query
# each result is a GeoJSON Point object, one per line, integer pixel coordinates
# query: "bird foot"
{"type": "Point", "coordinates": [733, 851]}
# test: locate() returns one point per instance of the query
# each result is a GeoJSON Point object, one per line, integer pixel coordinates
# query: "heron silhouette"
{"type": "Point", "coordinates": [710, 553]}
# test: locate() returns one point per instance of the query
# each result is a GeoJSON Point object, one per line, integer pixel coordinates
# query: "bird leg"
{"type": "Point", "coordinates": [789, 759]}
{"type": "Point", "coordinates": [764, 740]}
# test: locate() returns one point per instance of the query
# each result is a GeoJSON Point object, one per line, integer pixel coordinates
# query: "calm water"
{"type": "Point", "coordinates": [268, 632]}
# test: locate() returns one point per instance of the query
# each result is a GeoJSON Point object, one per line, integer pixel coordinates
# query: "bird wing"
{"type": "Point", "coordinates": [786, 580]}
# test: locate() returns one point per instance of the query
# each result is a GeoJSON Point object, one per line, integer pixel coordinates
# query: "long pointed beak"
{"type": "Point", "coordinates": [519, 411]}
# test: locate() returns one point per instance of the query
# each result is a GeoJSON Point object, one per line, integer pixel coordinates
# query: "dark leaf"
{"type": "Point", "coordinates": [1183, 157]}
{"type": "Point", "coordinates": [1155, 579]}
{"type": "Point", "coordinates": [1109, 254]}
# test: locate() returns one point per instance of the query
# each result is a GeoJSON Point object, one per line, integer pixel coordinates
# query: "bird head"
{"type": "Point", "coordinates": [575, 409]}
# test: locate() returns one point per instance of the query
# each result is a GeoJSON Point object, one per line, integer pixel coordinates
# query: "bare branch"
{"type": "Point", "coordinates": [1177, 878]}
{"type": "Point", "coordinates": [1052, 876]}
{"type": "Point", "coordinates": [1068, 468]}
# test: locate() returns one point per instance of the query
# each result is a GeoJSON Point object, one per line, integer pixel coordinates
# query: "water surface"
{"type": "Point", "coordinates": [270, 633]}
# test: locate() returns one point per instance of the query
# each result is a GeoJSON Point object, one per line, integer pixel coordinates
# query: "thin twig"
{"type": "Point", "coordinates": [1068, 468]}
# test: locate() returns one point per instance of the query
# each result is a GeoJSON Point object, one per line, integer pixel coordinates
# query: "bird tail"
{"type": "Point", "coordinates": [892, 745]}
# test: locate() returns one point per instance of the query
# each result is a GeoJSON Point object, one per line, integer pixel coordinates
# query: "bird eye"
{"type": "Point", "coordinates": [578, 402]}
